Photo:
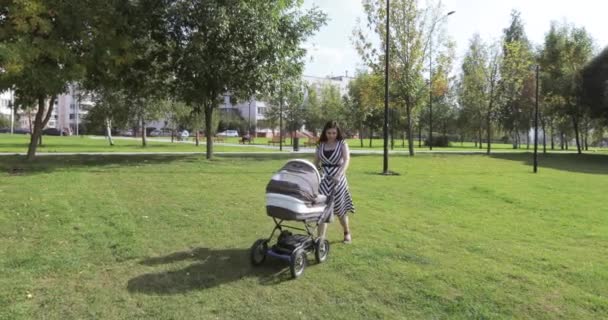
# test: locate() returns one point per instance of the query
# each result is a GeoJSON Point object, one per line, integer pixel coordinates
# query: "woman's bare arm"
{"type": "Point", "coordinates": [345, 158]}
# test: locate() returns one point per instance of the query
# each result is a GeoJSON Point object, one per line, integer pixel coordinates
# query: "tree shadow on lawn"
{"type": "Point", "coordinates": [212, 267]}
{"type": "Point", "coordinates": [581, 163]}
{"type": "Point", "coordinates": [17, 165]}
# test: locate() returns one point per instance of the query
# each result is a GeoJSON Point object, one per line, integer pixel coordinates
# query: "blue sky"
{"type": "Point", "coordinates": [331, 51]}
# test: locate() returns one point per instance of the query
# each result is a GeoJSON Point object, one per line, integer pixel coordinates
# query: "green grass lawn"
{"type": "Point", "coordinates": [168, 237]}
{"type": "Point", "coordinates": [19, 144]}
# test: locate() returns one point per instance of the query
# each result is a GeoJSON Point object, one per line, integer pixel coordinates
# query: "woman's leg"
{"type": "Point", "coordinates": [346, 227]}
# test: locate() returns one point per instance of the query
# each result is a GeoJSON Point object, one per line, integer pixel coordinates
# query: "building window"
{"type": "Point", "coordinates": [72, 106]}
{"type": "Point", "coordinates": [72, 116]}
{"type": "Point", "coordinates": [261, 110]}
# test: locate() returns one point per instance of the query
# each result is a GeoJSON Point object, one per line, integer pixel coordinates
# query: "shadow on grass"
{"type": "Point", "coordinates": [211, 268]}
{"type": "Point", "coordinates": [581, 163]}
{"type": "Point", "coordinates": [46, 164]}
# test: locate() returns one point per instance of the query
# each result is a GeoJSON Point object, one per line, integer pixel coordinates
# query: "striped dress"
{"type": "Point", "coordinates": [331, 161]}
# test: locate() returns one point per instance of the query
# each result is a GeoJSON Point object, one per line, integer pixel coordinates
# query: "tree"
{"type": "Point", "coordinates": [128, 56]}
{"type": "Point", "coordinates": [515, 71]}
{"type": "Point", "coordinates": [566, 51]}
{"type": "Point", "coordinates": [42, 51]}
{"type": "Point", "coordinates": [313, 117]}
{"type": "Point", "coordinates": [5, 122]}
{"type": "Point", "coordinates": [110, 109]}
{"type": "Point", "coordinates": [331, 103]}
{"type": "Point", "coordinates": [595, 86]}
{"type": "Point", "coordinates": [516, 74]}
{"type": "Point", "coordinates": [410, 31]}
{"type": "Point", "coordinates": [479, 87]}
{"type": "Point", "coordinates": [294, 111]}
{"type": "Point", "coordinates": [365, 93]}
{"type": "Point", "coordinates": [236, 46]}
{"type": "Point", "coordinates": [291, 96]}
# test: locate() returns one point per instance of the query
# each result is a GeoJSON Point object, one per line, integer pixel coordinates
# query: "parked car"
{"type": "Point", "coordinates": [22, 131]}
{"type": "Point", "coordinates": [155, 133]}
{"type": "Point", "coordinates": [53, 132]}
{"type": "Point", "coordinates": [15, 130]}
{"type": "Point", "coordinates": [228, 133]}
{"type": "Point", "coordinates": [127, 133]}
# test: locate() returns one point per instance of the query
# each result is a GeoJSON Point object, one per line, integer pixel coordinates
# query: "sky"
{"type": "Point", "coordinates": [331, 52]}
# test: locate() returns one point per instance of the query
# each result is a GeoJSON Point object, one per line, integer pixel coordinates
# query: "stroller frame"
{"type": "Point", "coordinates": [306, 244]}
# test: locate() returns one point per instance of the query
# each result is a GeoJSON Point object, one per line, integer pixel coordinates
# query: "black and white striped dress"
{"type": "Point", "coordinates": [331, 161]}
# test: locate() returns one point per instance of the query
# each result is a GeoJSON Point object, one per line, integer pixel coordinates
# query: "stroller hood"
{"type": "Point", "coordinates": [297, 178]}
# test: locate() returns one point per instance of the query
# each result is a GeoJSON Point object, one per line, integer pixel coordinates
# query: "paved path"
{"type": "Point", "coordinates": [285, 152]}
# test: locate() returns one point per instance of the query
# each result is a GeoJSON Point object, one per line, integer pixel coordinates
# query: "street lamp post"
{"type": "Point", "coordinates": [536, 123]}
{"type": "Point", "coordinates": [281, 119]}
{"type": "Point", "coordinates": [249, 118]}
{"type": "Point", "coordinates": [431, 79]}
{"type": "Point", "coordinates": [11, 105]}
{"type": "Point", "coordinates": [78, 116]}
{"type": "Point", "coordinates": [385, 164]}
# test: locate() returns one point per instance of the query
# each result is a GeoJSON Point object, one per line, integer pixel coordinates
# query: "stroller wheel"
{"type": "Point", "coordinates": [297, 263]}
{"type": "Point", "coordinates": [258, 251]}
{"type": "Point", "coordinates": [321, 250]}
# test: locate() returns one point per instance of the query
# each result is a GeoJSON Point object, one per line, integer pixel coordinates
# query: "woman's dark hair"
{"type": "Point", "coordinates": [331, 125]}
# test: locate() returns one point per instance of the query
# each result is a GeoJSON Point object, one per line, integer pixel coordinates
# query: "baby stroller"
{"type": "Point", "coordinates": [293, 195]}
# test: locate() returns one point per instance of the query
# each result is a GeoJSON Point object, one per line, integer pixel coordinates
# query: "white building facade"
{"type": "Point", "coordinates": [69, 110]}
{"type": "Point", "coordinates": [254, 110]}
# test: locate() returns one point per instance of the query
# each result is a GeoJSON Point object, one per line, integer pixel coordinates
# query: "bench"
{"type": "Point", "coordinates": [276, 140]}
{"type": "Point", "coordinates": [218, 139]}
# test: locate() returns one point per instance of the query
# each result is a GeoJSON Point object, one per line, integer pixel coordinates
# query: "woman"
{"type": "Point", "coordinates": [333, 155]}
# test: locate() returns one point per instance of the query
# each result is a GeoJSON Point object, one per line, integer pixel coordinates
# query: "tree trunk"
{"type": "Point", "coordinates": [144, 141]}
{"type": "Point", "coordinates": [109, 131]}
{"type": "Point", "coordinates": [371, 135]}
{"type": "Point", "coordinates": [173, 135]}
{"type": "Point", "coordinates": [586, 135]}
{"type": "Point", "coordinates": [197, 139]}
{"type": "Point", "coordinates": [392, 131]}
{"type": "Point", "coordinates": [29, 114]}
{"type": "Point", "coordinates": [514, 139]}
{"type": "Point", "coordinates": [552, 136]}
{"type": "Point", "coordinates": [39, 124]}
{"type": "Point", "coordinates": [544, 136]}
{"type": "Point", "coordinates": [360, 135]}
{"type": "Point", "coordinates": [403, 134]}
{"type": "Point", "coordinates": [208, 124]}
{"type": "Point", "coordinates": [576, 134]}
{"type": "Point", "coordinates": [480, 138]}
{"type": "Point", "coordinates": [410, 136]}
{"type": "Point", "coordinates": [489, 132]}
{"type": "Point", "coordinates": [528, 139]}
{"type": "Point", "coordinates": [419, 136]}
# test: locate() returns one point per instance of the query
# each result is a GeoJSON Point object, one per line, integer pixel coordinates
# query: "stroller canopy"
{"type": "Point", "coordinates": [297, 178]}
